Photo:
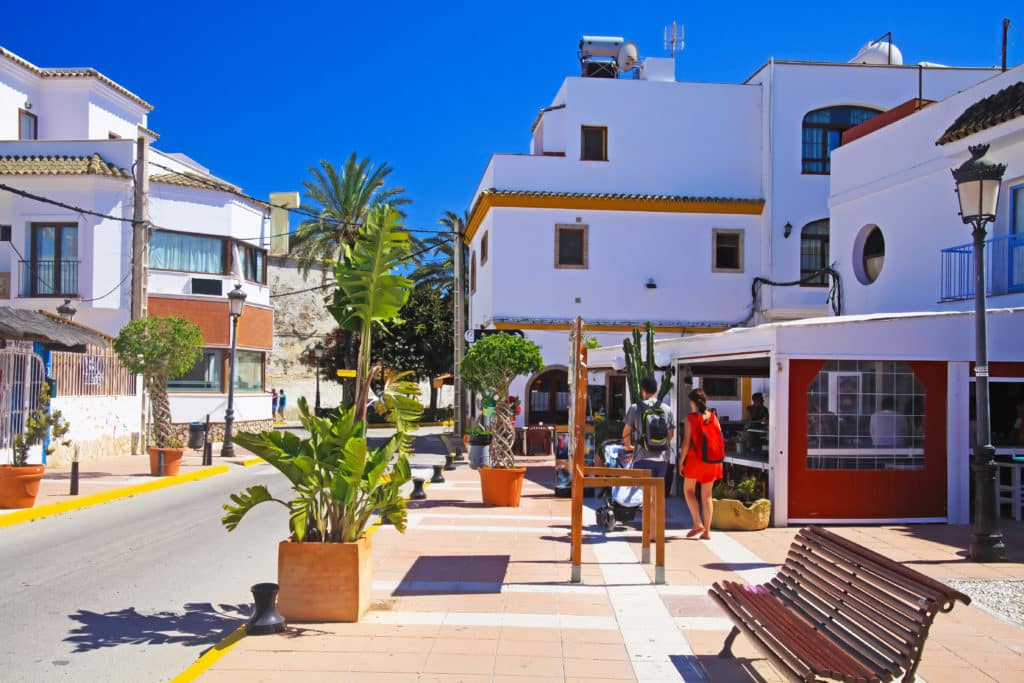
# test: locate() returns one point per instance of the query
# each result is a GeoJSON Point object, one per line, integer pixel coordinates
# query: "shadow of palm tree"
{"type": "Point", "coordinates": [199, 623]}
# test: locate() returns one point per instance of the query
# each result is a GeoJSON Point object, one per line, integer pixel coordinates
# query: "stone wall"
{"type": "Point", "coordinates": [180, 431]}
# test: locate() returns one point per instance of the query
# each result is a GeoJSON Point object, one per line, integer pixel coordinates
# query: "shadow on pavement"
{"type": "Point", "coordinates": [199, 623]}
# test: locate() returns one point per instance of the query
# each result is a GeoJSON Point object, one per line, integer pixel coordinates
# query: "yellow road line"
{"type": "Point", "coordinates": [210, 657]}
{"type": "Point", "coordinates": [249, 462]}
{"type": "Point", "coordinates": [30, 514]}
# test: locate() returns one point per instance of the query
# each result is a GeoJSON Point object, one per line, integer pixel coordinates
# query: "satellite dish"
{"type": "Point", "coordinates": [628, 56]}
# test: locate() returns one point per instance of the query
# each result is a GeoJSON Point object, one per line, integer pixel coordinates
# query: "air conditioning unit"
{"type": "Point", "coordinates": [206, 285]}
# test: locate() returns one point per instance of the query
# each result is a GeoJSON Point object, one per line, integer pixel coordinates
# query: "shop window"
{"type": "Point", "coordinates": [594, 143]}
{"type": "Point", "coordinates": [187, 253]}
{"type": "Point", "coordinates": [1006, 405]}
{"type": "Point", "coordinates": [865, 415]}
{"type": "Point", "coordinates": [727, 251]}
{"type": "Point", "coordinates": [571, 246]}
{"type": "Point", "coordinates": [814, 254]}
{"type": "Point", "coordinates": [823, 132]}
{"type": "Point", "coordinates": [205, 375]}
{"type": "Point", "coordinates": [249, 371]}
{"type": "Point", "coordinates": [721, 388]}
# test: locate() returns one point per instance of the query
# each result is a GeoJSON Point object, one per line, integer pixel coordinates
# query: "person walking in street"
{"type": "Point", "coordinates": [649, 430]}
{"type": "Point", "coordinates": [273, 404]}
{"type": "Point", "coordinates": [282, 401]}
{"type": "Point", "coordinates": [701, 455]}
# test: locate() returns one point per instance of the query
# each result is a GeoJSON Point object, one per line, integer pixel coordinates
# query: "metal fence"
{"type": "Point", "coordinates": [1004, 263]}
{"type": "Point", "coordinates": [97, 372]}
{"type": "Point", "coordinates": [21, 379]}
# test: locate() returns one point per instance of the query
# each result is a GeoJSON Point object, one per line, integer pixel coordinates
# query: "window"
{"type": "Point", "coordinates": [571, 246]}
{"type": "Point", "coordinates": [53, 268]}
{"type": "Point", "coordinates": [249, 371]}
{"type": "Point", "coordinates": [865, 415]}
{"type": "Point", "coordinates": [28, 126]}
{"type": "Point", "coordinates": [187, 253]}
{"type": "Point", "coordinates": [814, 254]}
{"type": "Point", "coordinates": [113, 136]}
{"type": "Point", "coordinates": [1017, 210]}
{"type": "Point", "coordinates": [594, 143]}
{"type": "Point", "coordinates": [205, 375]}
{"type": "Point", "coordinates": [721, 388]}
{"type": "Point", "coordinates": [5, 233]}
{"type": "Point", "coordinates": [483, 250]}
{"type": "Point", "coordinates": [254, 266]}
{"type": "Point", "coordinates": [868, 254]}
{"type": "Point", "coordinates": [472, 274]}
{"type": "Point", "coordinates": [727, 251]}
{"type": "Point", "coordinates": [823, 132]}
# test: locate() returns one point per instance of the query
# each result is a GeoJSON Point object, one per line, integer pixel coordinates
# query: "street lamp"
{"type": "Point", "coordinates": [236, 302]}
{"type": "Point", "coordinates": [977, 188]}
{"type": "Point", "coordinates": [318, 354]}
{"type": "Point", "coordinates": [66, 311]}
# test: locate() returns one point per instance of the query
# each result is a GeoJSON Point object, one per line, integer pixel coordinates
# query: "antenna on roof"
{"type": "Point", "coordinates": [673, 39]}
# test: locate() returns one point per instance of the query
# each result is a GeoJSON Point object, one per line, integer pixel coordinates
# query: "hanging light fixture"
{"type": "Point", "coordinates": [66, 311]}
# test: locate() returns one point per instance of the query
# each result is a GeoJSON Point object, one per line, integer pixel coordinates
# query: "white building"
{"type": "Point", "coordinates": [70, 136]}
{"type": "Point", "coordinates": [648, 198]}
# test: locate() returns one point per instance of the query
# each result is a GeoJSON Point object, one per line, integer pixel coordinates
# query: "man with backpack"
{"type": "Point", "coordinates": [649, 430]}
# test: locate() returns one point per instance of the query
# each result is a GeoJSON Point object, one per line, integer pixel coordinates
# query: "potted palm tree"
{"type": "Point", "coordinates": [489, 367]}
{"type": "Point", "coordinates": [324, 567]}
{"type": "Point", "coordinates": [19, 481]}
{"type": "Point", "coordinates": [160, 349]}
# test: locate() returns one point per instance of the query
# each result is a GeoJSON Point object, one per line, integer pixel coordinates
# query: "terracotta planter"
{"type": "Point", "coordinates": [324, 581]}
{"type": "Point", "coordinates": [19, 486]}
{"type": "Point", "coordinates": [732, 515]}
{"type": "Point", "coordinates": [502, 487]}
{"type": "Point", "coordinates": [172, 460]}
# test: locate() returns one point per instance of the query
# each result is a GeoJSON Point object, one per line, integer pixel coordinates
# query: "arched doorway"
{"type": "Point", "coordinates": [548, 398]}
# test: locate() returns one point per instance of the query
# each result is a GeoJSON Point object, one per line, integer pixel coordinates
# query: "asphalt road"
{"type": "Point", "coordinates": [133, 590]}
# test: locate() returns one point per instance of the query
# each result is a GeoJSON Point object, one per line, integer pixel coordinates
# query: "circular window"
{"type": "Point", "coordinates": [868, 254]}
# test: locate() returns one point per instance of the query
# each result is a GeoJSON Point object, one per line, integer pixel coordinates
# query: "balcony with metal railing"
{"type": "Point", "coordinates": [49, 278]}
{"type": "Point", "coordinates": [1004, 263]}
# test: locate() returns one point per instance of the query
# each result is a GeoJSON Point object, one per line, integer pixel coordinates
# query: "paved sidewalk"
{"type": "Point", "coordinates": [478, 594]}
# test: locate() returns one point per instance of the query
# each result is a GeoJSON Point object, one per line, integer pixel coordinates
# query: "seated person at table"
{"type": "Point", "coordinates": [757, 411]}
{"type": "Point", "coordinates": [888, 428]}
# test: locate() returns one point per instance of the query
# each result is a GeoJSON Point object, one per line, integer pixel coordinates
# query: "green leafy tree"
{"type": "Point", "coordinates": [489, 367]}
{"type": "Point", "coordinates": [38, 423]}
{"type": "Point", "coordinates": [159, 349]}
{"type": "Point", "coordinates": [370, 291]}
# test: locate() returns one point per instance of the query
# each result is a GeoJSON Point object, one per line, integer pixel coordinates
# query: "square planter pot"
{"type": "Point", "coordinates": [19, 486]}
{"type": "Point", "coordinates": [324, 581]}
{"type": "Point", "coordinates": [732, 515]}
{"type": "Point", "coordinates": [172, 460]}
{"type": "Point", "coordinates": [501, 487]}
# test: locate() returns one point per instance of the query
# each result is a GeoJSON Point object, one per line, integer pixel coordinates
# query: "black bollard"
{"type": "Point", "coordinates": [438, 478]}
{"type": "Point", "coordinates": [265, 618]}
{"type": "Point", "coordinates": [74, 477]}
{"type": "Point", "coordinates": [449, 462]}
{"type": "Point", "coordinates": [417, 490]}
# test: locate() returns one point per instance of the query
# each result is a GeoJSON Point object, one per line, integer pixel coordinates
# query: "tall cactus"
{"type": "Point", "coordinates": [640, 363]}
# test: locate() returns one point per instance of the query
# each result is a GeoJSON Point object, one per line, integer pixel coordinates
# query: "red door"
{"type": "Point", "coordinates": [850, 487]}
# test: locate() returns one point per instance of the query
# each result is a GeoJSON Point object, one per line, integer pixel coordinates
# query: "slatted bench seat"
{"type": "Point", "coordinates": [837, 611]}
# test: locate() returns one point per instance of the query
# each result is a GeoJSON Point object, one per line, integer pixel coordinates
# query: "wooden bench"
{"type": "Point", "coordinates": [837, 611]}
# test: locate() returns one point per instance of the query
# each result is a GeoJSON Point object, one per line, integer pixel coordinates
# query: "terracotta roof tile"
{"type": "Point", "coordinates": [616, 195]}
{"type": "Point", "coordinates": [194, 181]}
{"type": "Point", "coordinates": [997, 108]}
{"type": "Point", "coordinates": [60, 165]}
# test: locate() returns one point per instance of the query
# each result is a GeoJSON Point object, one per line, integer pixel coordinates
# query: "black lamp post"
{"type": "Point", "coordinates": [236, 302]}
{"type": "Point", "coordinates": [66, 311]}
{"type": "Point", "coordinates": [977, 187]}
{"type": "Point", "coordinates": [318, 355]}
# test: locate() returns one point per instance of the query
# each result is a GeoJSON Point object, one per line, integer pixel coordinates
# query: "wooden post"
{"type": "Point", "coordinates": [578, 364]}
{"type": "Point", "coordinates": [659, 557]}
{"type": "Point", "coordinates": [648, 529]}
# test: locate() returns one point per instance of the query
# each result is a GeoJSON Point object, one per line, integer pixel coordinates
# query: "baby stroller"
{"type": "Point", "coordinates": [621, 503]}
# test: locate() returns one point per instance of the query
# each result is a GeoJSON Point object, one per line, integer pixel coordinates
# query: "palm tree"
{"type": "Point", "coordinates": [341, 202]}
{"type": "Point", "coordinates": [439, 272]}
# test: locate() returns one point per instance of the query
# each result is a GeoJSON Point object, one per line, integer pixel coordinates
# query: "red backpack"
{"type": "Point", "coordinates": [712, 447]}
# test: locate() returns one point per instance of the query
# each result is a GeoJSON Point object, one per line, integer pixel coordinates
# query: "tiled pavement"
{"type": "Point", "coordinates": [480, 594]}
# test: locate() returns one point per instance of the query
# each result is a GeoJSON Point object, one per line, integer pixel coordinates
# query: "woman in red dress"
{"type": "Point", "coordinates": [693, 467]}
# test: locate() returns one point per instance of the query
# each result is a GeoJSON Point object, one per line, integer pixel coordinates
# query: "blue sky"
{"type": "Point", "coordinates": [258, 92]}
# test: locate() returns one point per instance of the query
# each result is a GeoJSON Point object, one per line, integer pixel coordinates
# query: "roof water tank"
{"type": "Point", "coordinates": [878, 52]}
{"type": "Point", "coordinates": [600, 46]}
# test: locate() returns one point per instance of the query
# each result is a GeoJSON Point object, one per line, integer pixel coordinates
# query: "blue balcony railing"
{"type": "Point", "coordinates": [1004, 262]}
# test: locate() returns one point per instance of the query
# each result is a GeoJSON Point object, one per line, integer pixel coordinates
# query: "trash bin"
{"type": "Point", "coordinates": [196, 435]}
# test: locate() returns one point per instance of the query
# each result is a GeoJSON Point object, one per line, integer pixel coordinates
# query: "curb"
{"type": "Point", "coordinates": [210, 657]}
{"type": "Point", "coordinates": [52, 509]}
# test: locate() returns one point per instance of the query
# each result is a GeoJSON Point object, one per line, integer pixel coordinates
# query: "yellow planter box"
{"type": "Point", "coordinates": [733, 515]}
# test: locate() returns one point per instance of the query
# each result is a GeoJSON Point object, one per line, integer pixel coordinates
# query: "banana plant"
{"type": "Point", "coordinates": [337, 480]}
{"type": "Point", "coordinates": [370, 291]}
{"type": "Point", "coordinates": [399, 402]}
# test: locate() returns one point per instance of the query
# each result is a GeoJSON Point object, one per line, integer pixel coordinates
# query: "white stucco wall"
{"type": "Point", "coordinates": [100, 425]}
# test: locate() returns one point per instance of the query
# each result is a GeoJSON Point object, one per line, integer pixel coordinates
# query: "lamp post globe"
{"type": "Point", "coordinates": [66, 311]}
{"type": "Point", "coordinates": [236, 304]}
{"type": "Point", "coordinates": [318, 355]}
{"type": "Point", "coordinates": [977, 188]}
